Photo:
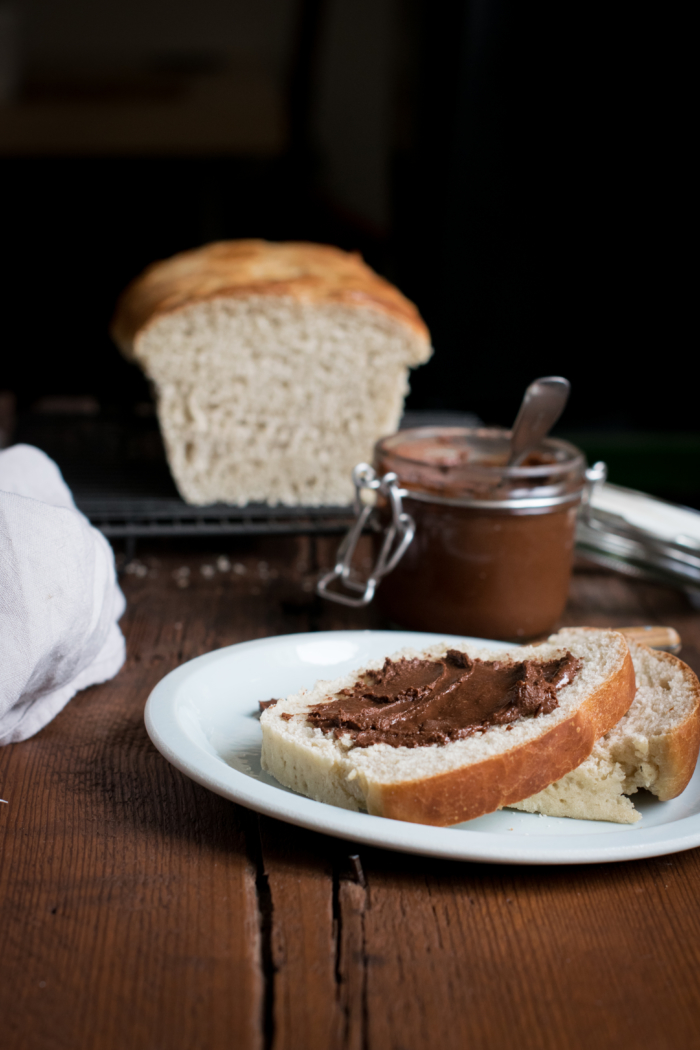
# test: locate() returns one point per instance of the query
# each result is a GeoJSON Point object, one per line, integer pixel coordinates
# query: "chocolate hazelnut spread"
{"type": "Point", "coordinates": [493, 545]}
{"type": "Point", "coordinates": [483, 573]}
{"type": "Point", "coordinates": [413, 703]}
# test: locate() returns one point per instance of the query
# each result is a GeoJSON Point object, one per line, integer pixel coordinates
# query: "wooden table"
{"type": "Point", "coordinates": [137, 910]}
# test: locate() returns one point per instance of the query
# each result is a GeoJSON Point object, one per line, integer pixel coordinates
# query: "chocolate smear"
{"type": "Point", "coordinates": [414, 702]}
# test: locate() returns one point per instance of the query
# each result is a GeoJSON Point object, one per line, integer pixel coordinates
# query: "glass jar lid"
{"type": "Point", "coordinates": [466, 466]}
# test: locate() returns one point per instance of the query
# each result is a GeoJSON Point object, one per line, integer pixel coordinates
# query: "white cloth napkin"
{"type": "Point", "coordinates": [59, 599]}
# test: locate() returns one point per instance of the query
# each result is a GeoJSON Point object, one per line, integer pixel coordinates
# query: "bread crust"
{"type": "Point", "coordinates": [310, 273]}
{"type": "Point", "coordinates": [682, 745]}
{"type": "Point", "coordinates": [678, 749]}
{"type": "Point", "coordinates": [472, 791]}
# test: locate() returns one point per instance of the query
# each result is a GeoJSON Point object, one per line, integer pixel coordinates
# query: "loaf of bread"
{"type": "Point", "coordinates": [654, 746]}
{"type": "Point", "coordinates": [276, 367]}
{"type": "Point", "coordinates": [448, 783]}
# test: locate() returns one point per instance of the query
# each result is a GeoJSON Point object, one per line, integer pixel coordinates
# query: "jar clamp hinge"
{"type": "Point", "coordinates": [397, 537]}
{"type": "Point", "coordinates": [595, 475]}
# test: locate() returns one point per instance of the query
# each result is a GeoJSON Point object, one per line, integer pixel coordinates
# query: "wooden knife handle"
{"type": "Point", "coordinates": [655, 637]}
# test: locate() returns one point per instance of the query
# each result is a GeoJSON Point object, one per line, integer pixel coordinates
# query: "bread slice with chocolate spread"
{"type": "Point", "coordinates": [654, 746]}
{"type": "Point", "coordinates": [493, 765]}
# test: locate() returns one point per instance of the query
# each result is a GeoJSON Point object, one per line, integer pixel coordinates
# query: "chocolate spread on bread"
{"type": "Point", "coordinates": [264, 704]}
{"type": "Point", "coordinates": [412, 703]}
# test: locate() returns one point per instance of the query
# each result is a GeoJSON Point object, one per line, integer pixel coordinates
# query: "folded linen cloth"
{"type": "Point", "coordinates": [59, 599]}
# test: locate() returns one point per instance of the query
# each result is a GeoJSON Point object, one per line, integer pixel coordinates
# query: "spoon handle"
{"type": "Point", "coordinates": [541, 407]}
{"type": "Point", "coordinates": [655, 637]}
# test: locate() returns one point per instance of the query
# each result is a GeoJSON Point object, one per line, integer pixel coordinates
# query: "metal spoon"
{"type": "Point", "coordinates": [541, 407]}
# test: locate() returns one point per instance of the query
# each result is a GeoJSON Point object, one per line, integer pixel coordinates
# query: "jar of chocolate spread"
{"type": "Point", "coordinates": [463, 542]}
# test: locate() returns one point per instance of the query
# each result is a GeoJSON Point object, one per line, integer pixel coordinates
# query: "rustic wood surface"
{"type": "Point", "coordinates": [139, 911]}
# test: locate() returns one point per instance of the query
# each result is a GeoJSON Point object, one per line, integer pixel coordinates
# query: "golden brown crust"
{"type": "Point", "coordinates": [313, 273]}
{"type": "Point", "coordinates": [472, 791]}
{"type": "Point", "coordinates": [682, 745]}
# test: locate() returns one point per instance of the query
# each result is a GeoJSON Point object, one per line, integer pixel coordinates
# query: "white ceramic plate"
{"type": "Point", "coordinates": [203, 717]}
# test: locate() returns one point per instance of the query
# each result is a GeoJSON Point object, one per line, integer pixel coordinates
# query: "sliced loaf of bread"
{"type": "Point", "coordinates": [654, 746]}
{"type": "Point", "coordinates": [448, 783]}
{"type": "Point", "coordinates": [276, 367]}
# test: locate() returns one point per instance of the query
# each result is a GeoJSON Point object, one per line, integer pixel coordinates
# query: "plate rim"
{"type": "Point", "coordinates": [185, 754]}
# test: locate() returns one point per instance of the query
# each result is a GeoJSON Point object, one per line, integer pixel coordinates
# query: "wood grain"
{"type": "Point", "coordinates": [534, 957]}
{"type": "Point", "coordinates": [138, 910]}
{"type": "Point", "coordinates": [128, 898]}
{"type": "Point", "coordinates": [299, 873]}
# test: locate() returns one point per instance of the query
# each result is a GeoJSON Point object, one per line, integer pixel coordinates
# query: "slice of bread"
{"type": "Point", "coordinates": [448, 783]}
{"type": "Point", "coordinates": [654, 746]}
{"type": "Point", "coordinates": [276, 367]}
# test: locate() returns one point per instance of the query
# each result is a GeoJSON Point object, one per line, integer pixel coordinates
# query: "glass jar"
{"type": "Point", "coordinates": [465, 543]}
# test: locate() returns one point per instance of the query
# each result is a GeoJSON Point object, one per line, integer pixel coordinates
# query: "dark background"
{"type": "Point", "coordinates": [516, 170]}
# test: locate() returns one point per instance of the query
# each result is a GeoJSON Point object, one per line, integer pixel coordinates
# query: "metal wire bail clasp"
{"type": "Point", "coordinates": [397, 537]}
{"type": "Point", "coordinates": [595, 475]}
